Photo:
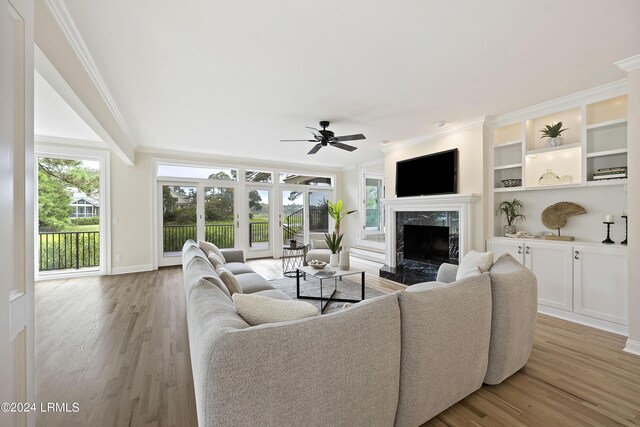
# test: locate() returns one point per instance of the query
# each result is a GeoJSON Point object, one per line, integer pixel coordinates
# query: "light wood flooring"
{"type": "Point", "coordinates": [118, 346]}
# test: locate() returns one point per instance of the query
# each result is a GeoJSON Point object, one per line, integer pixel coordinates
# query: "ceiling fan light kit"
{"type": "Point", "coordinates": [324, 138]}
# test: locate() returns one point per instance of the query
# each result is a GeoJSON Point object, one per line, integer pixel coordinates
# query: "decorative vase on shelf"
{"type": "Point", "coordinates": [334, 260]}
{"type": "Point", "coordinates": [566, 179]}
{"type": "Point", "coordinates": [344, 259]}
{"type": "Point", "coordinates": [549, 178]}
{"type": "Point", "coordinates": [554, 142]}
{"type": "Point", "coordinates": [509, 229]}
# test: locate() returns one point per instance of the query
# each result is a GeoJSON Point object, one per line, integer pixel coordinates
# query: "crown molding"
{"type": "Point", "coordinates": [629, 64]}
{"type": "Point", "coordinates": [62, 16]}
{"type": "Point", "coordinates": [573, 100]}
{"type": "Point", "coordinates": [447, 130]}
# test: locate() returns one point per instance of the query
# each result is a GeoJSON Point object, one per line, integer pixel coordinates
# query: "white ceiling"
{"type": "Point", "coordinates": [234, 77]}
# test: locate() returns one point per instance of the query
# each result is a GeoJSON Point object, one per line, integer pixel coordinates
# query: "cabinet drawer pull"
{"type": "Point", "coordinates": [519, 249]}
{"type": "Point", "coordinates": [576, 255]}
{"type": "Point", "coordinates": [527, 251]}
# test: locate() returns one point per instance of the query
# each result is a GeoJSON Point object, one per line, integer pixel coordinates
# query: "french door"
{"type": "Point", "coordinates": [303, 214]}
{"type": "Point", "coordinates": [197, 211]}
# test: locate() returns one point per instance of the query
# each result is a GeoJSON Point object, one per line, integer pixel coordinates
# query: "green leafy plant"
{"type": "Point", "coordinates": [511, 211]}
{"type": "Point", "coordinates": [335, 211]}
{"type": "Point", "coordinates": [333, 241]}
{"type": "Point", "coordinates": [552, 131]}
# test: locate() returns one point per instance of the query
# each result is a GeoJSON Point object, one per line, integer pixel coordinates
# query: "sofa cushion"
{"type": "Point", "coordinates": [210, 247]}
{"type": "Point", "coordinates": [190, 253]}
{"type": "Point", "coordinates": [319, 244]}
{"type": "Point", "coordinates": [319, 254]}
{"type": "Point", "coordinates": [253, 282]}
{"type": "Point", "coordinates": [199, 269]}
{"type": "Point", "coordinates": [345, 363]}
{"type": "Point", "coordinates": [445, 346]}
{"type": "Point", "coordinates": [473, 259]}
{"type": "Point", "coordinates": [260, 309]}
{"type": "Point", "coordinates": [238, 268]}
{"type": "Point", "coordinates": [214, 259]}
{"type": "Point", "coordinates": [514, 291]}
{"type": "Point", "coordinates": [273, 293]}
{"type": "Point", "coordinates": [229, 280]}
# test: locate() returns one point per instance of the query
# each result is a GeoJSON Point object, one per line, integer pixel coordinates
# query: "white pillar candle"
{"type": "Point", "coordinates": [624, 212]}
{"type": "Point", "coordinates": [608, 218]}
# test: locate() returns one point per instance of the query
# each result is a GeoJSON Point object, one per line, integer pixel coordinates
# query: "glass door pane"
{"type": "Point", "coordinates": [373, 194]}
{"type": "Point", "coordinates": [219, 227]}
{"type": "Point", "coordinates": [292, 218]}
{"type": "Point", "coordinates": [258, 219]}
{"type": "Point", "coordinates": [318, 212]}
{"type": "Point", "coordinates": [179, 217]}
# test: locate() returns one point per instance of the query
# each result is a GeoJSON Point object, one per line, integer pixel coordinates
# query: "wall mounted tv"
{"type": "Point", "coordinates": [428, 175]}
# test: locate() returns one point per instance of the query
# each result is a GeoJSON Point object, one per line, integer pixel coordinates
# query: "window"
{"type": "Point", "coordinates": [223, 174]}
{"type": "Point", "coordinates": [259, 176]}
{"type": "Point", "coordinates": [314, 180]}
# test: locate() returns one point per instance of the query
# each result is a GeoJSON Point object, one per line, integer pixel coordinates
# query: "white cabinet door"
{"type": "Point", "coordinates": [600, 282]}
{"type": "Point", "coordinates": [552, 264]}
{"type": "Point", "coordinates": [513, 247]}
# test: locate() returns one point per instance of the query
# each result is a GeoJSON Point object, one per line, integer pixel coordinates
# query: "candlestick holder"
{"type": "Point", "coordinates": [626, 230]}
{"type": "Point", "coordinates": [608, 240]}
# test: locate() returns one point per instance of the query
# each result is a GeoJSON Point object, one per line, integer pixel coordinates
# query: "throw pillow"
{"type": "Point", "coordinates": [482, 260]}
{"type": "Point", "coordinates": [257, 309]}
{"type": "Point", "coordinates": [229, 280]}
{"type": "Point", "coordinates": [475, 271]}
{"type": "Point", "coordinates": [319, 244]}
{"type": "Point", "coordinates": [210, 247]}
{"type": "Point", "coordinates": [215, 260]}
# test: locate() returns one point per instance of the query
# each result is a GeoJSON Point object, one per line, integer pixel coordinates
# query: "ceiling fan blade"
{"type": "Point", "coordinates": [315, 149]}
{"type": "Point", "coordinates": [315, 132]}
{"type": "Point", "coordinates": [350, 137]}
{"type": "Point", "coordinates": [344, 146]}
{"type": "Point", "coordinates": [297, 140]}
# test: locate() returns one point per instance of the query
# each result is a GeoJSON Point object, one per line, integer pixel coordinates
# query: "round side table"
{"type": "Point", "coordinates": [292, 259]}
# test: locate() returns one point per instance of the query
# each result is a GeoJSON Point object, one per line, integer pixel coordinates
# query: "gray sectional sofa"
{"type": "Point", "coordinates": [399, 359]}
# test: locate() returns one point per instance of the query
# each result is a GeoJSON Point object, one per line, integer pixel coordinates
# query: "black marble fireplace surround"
{"type": "Point", "coordinates": [424, 240]}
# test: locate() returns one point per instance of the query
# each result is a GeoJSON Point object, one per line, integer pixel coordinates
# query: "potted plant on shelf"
{"type": "Point", "coordinates": [338, 255]}
{"type": "Point", "coordinates": [553, 133]}
{"type": "Point", "coordinates": [512, 212]}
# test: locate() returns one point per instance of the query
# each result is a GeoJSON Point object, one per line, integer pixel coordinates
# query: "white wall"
{"type": "Point", "coordinates": [471, 170]}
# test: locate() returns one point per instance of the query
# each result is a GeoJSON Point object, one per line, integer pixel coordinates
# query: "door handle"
{"type": "Point", "coordinates": [238, 224]}
{"type": "Point", "coordinates": [576, 255]}
{"type": "Point", "coordinates": [519, 249]}
{"type": "Point", "coordinates": [527, 251]}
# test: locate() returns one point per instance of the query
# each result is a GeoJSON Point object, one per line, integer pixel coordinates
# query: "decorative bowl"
{"type": "Point", "coordinates": [514, 182]}
{"type": "Point", "coordinates": [318, 265]}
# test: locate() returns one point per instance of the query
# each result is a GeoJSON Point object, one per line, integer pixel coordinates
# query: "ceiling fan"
{"type": "Point", "coordinates": [326, 137]}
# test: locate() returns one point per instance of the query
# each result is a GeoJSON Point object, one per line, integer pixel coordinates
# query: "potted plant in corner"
{"type": "Point", "coordinates": [338, 256]}
{"type": "Point", "coordinates": [512, 212]}
{"type": "Point", "coordinates": [553, 134]}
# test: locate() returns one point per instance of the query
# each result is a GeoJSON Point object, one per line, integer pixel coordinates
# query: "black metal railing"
{"type": "Point", "coordinates": [318, 219]}
{"type": "Point", "coordinates": [292, 224]}
{"type": "Point", "coordinates": [174, 236]}
{"type": "Point", "coordinates": [68, 250]}
{"type": "Point", "coordinates": [258, 232]}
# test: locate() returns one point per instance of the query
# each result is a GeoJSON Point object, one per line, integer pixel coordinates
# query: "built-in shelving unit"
{"type": "Point", "coordinates": [595, 139]}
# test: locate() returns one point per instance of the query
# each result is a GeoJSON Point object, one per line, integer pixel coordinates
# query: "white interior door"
{"type": "Point", "coordinates": [17, 381]}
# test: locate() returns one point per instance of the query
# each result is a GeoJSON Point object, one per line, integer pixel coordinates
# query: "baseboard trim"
{"type": "Point", "coordinates": [632, 347]}
{"type": "Point", "coordinates": [131, 269]}
{"type": "Point", "coordinates": [585, 320]}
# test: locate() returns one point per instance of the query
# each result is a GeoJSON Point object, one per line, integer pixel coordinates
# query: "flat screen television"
{"type": "Point", "coordinates": [428, 175]}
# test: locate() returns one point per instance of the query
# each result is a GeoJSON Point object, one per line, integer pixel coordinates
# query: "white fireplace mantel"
{"type": "Point", "coordinates": [447, 202]}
